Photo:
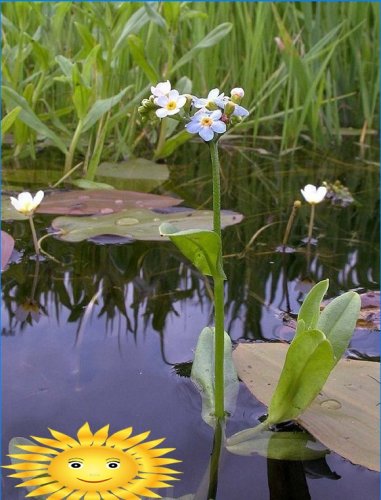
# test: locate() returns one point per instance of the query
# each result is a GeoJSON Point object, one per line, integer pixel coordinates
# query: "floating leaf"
{"type": "Point", "coordinates": [138, 224]}
{"type": "Point", "coordinates": [276, 445]}
{"type": "Point", "coordinates": [308, 363]}
{"type": "Point", "coordinates": [203, 374]}
{"type": "Point", "coordinates": [86, 184]}
{"type": "Point", "coordinates": [138, 174]}
{"type": "Point", "coordinates": [202, 248]}
{"type": "Point", "coordinates": [91, 202]}
{"type": "Point", "coordinates": [345, 414]}
{"type": "Point", "coordinates": [338, 320]}
{"type": "Point", "coordinates": [7, 245]}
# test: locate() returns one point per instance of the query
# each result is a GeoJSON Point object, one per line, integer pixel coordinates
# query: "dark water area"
{"type": "Point", "coordinates": [99, 337]}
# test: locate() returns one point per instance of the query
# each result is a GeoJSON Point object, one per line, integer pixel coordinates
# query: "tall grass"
{"type": "Point", "coordinates": [74, 72]}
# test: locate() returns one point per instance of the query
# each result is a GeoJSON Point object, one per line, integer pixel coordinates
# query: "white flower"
{"type": "Point", "coordinates": [161, 89]}
{"type": "Point", "coordinates": [237, 92]}
{"type": "Point", "coordinates": [214, 98]}
{"type": "Point", "coordinates": [170, 104]}
{"type": "Point", "coordinates": [205, 124]}
{"type": "Point", "coordinates": [312, 194]}
{"type": "Point", "coordinates": [25, 203]}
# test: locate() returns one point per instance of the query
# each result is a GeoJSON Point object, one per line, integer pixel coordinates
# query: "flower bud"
{"type": "Point", "coordinates": [297, 204]}
{"type": "Point", "coordinates": [237, 94]}
{"type": "Point", "coordinates": [188, 104]}
{"type": "Point", "coordinates": [229, 108]}
{"type": "Point", "coordinates": [211, 106]}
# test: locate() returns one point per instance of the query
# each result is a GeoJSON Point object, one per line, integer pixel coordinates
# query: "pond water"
{"type": "Point", "coordinates": [114, 326]}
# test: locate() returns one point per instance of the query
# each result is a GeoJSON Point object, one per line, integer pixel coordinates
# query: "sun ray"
{"type": "Point", "coordinates": [64, 438]}
{"type": "Point", "coordinates": [96, 467]}
{"type": "Point", "coordinates": [32, 457]}
{"type": "Point", "coordinates": [85, 436]}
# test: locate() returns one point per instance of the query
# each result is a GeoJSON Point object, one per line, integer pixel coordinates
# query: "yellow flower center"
{"type": "Point", "coordinates": [171, 105]}
{"type": "Point", "coordinates": [206, 121]}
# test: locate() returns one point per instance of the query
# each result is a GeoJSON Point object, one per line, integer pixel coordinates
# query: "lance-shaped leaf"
{"type": "Point", "coordinates": [203, 374]}
{"type": "Point", "coordinates": [308, 363]}
{"type": "Point", "coordinates": [338, 320]}
{"type": "Point", "coordinates": [276, 445]}
{"type": "Point", "coordinates": [310, 309]}
{"type": "Point", "coordinates": [201, 247]}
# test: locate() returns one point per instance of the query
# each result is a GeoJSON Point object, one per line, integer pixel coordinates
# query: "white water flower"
{"type": "Point", "coordinates": [312, 194]}
{"type": "Point", "coordinates": [25, 203]}
{"type": "Point", "coordinates": [161, 89]}
{"type": "Point", "coordinates": [170, 104]}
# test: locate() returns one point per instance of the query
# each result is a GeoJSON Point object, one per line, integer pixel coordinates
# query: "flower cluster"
{"type": "Point", "coordinates": [203, 116]}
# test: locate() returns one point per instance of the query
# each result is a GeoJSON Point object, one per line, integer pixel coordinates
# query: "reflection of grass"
{"type": "Point", "coordinates": [155, 278]}
{"type": "Point", "coordinates": [59, 58]}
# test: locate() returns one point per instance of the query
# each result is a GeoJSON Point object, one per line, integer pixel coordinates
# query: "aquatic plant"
{"type": "Point", "coordinates": [26, 204]}
{"type": "Point", "coordinates": [208, 117]}
{"type": "Point", "coordinates": [313, 196]}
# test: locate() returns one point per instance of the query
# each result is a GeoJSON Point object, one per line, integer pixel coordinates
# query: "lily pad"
{"type": "Point", "coordinates": [7, 245]}
{"type": "Point", "coordinates": [136, 173]}
{"type": "Point", "coordinates": [91, 202]}
{"type": "Point", "coordinates": [345, 414]}
{"type": "Point", "coordinates": [137, 224]}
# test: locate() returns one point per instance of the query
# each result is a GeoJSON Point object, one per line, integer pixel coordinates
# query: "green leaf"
{"type": "Point", "coordinates": [276, 445]}
{"type": "Point", "coordinates": [66, 66]}
{"type": "Point", "coordinates": [100, 107]}
{"type": "Point", "coordinates": [308, 363]}
{"type": "Point", "coordinates": [203, 374]}
{"type": "Point", "coordinates": [136, 46]}
{"type": "Point", "coordinates": [8, 120]}
{"type": "Point", "coordinates": [81, 100]}
{"type": "Point", "coordinates": [310, 309]}
{"type": "Point", "coordinates": [202, 248]}
{"type": "Point", "coordinates": [212, 38]}
{"type": "Point", "coordinates": [170, 145]}
{"type": "Point", "coordinates": [154, 16]}
{"type": "Point", "coordinates": [28, 116]}
{"type": "Point", "coordinates": [338, 320]}
{"type": "Point", "coordinates": [133, 25]}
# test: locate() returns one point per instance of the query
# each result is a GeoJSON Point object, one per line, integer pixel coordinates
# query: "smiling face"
{"type": "Point", "coordinates": [93, 468]}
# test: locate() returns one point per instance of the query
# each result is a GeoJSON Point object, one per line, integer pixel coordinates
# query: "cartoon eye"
{"type": "Point", "coordinates": [75, 465]}
{"type": "Point", "coordinates": [113, 465]}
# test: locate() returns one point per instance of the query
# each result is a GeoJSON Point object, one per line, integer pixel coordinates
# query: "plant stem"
{"type": "Point", "coordinates": [34, 235]}
{"type": "Point", "coordinates": [214, 460]}
{"type": "Point", "coordinates": [290, 222]}
{"type": "Point", "coordinates": [73, 146]}
{"type": "Point", "coordinates": [218, 293]}
{"type": "Point", "coordinates": [311, 224]}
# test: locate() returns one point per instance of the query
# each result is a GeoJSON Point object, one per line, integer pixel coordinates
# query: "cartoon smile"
{"type": "Point", "coordinates": [101, 481]}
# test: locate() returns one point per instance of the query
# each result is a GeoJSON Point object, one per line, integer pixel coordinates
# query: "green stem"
{"type": "Point", "coordinates": [34, 235]}
{"type": "Point", "coordinates": [161, 140]}
{"type": "Point", "coordinates": [218, 292]}
{"type": "Point", "coordinates": [214, 461]}
{"type": "Point", "coordinates": [290, 222]}
{"type": "Point", "coordinates": [73, 146]}
{"type": "Point", "coordinates": [311, 224]}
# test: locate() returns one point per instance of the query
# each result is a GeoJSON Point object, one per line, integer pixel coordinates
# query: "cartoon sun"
{"type": "Point", "coordinates": [97, 466]}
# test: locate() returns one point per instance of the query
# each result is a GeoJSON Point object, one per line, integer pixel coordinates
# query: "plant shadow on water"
{"type": "Point", "coordinates": [100, 335]}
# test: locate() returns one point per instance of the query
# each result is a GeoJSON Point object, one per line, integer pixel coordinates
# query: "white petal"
{"type": "Point", "coordinates": [193, 127]}
{"type": "Point", "coordinates": [199, 103]}
{"type": "Point", "coordinates": [172, 111]}
{"type": "Point", "coordinates": [25, 197]}
{"type": "Point", "coordinates": [161, 101]}
{"type": "Point", "coordinates": [161, 113]}
{"type": "Point", "coordinates": [213, 94]}
{"type": "Point", "coordinates": [206, 133]}
{"type": "Point", "coordinates": [240, 111]}
{"type": "Point", "coordinates": [173, 95]}
{"type": "Point", "coordinates": [216, 115]}
{"type": "Point", "coordinates": [237, 91]}
{"type": "Point", "coordinates": [320, 194]}
{"type": "Point", "coordinates": [181, 101]}
{"type": "Point", "coordinates": [15, 202]}
{"type": "Point", "coordinates": [38, 198]}
{"type": "Point", "coordinates": [219, 127]}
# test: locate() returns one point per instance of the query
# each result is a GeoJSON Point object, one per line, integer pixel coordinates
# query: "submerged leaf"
{"type": "Point", "coordinates": [202, 248]}
{"type": "Point", "coordinates": [137, 224]}
{"type": "Point", "coordinates": [276, 445]}
{"type": "Point", "coordinates": [203, 374]}
{"type": "Point", "coordinates": [345, 414]}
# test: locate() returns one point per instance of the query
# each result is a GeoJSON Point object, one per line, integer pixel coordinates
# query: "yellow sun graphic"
{"type": "Point", "coordinates": [97, 466]}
